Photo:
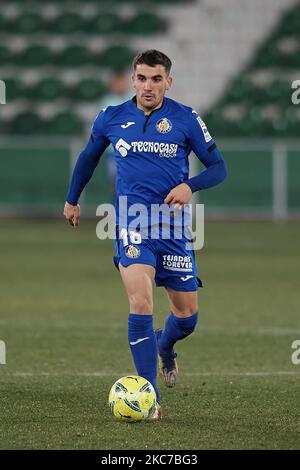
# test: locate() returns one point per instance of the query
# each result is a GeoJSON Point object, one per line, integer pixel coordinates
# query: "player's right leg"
{"type": "Point", "coordinates": [138, 280]}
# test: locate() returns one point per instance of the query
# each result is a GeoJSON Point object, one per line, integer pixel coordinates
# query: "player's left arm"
{"type": "Point", "coordinates": [208, 153]}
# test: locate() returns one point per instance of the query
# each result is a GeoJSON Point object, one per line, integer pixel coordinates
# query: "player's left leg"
{"type": "Point", "coordinates": [180, 323]}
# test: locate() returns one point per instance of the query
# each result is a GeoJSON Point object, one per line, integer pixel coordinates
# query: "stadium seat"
{"type": "Point", "coordinates": [178, 2]}
{"type": "Point", "coordinates": [66, 123]}
{"type": "Point", "coordinates": [266, 57]}
{"type": "Point", "coordinates": [47, 89]}
{"type": "Point", "coordinates": [35, 56]}
{"type": "Point", "coordinates": [52, 36]}
{"type": "Point", "coordinates": [289, 61]}
{"type": "Point", "coordinates": [27, 23]}
{"type": "Point", "coordinates": [27, 123]}
{"type": "Point", "coordinates": [5, 55]}
{"type": "Point", "coordinates": [89, 89]}
{"type": "Point", "coordinates": [116, 57]}
{"type": "Point", "coordinates": [74, 56]}
{"type": "Point", "coordinates": [279, 91]}
{"type": "Point", "coordinates": [292, 116]}
{"type": "Point", "coordinates": [215, 120]}
{"type": "Point", "coordinates": [258, 96]}
{"type": "Point", "coordinates": [145, 23]}
{"type": "Point", "coordinates": [290, 24]}
{"type": "Point", "coordinates": [248, 127]}
{"type": "Point", "coordinates": [104, 23]}
{"type": "Point", "coordinates": [280, 125]}
{"type": "Point", "coordinates": [277, 57]}
{"type": "Point", "coordinates": [15, 89]}
{"type": "Point", "coordinates": [66, 23]}
{"type": "Point", "coordinates": [2, 23]}
{"type": "Point", "coordinates": [239, 89]}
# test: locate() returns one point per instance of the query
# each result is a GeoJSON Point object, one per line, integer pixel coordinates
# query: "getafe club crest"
{"type": "Point", "coordinates": [132, 251]}
{"type": "Point", "coordinates": [163, 125]}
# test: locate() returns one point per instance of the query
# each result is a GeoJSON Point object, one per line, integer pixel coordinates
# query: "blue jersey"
{"type": "Point", "coordinates": [151, 152]}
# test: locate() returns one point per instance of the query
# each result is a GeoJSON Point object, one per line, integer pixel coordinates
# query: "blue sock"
{"type": "Point", "coordinates": [143, 345]}
{"type": "Point", "coordinates": [176, 328]}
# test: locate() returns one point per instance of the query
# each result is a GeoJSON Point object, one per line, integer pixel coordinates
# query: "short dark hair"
{"type": "Point", "coordinates": [152, 57]}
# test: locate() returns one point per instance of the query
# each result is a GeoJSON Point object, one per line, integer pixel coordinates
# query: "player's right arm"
{"type": "Point", "coordinates": [85, 166]}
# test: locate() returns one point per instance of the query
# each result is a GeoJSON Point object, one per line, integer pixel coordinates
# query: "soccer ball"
{"type": "Point", "coordinates": [132, 398]}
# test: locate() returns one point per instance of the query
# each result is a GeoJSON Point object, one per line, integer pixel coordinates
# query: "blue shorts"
{"type": "Point", "coordinates": [174, 264]}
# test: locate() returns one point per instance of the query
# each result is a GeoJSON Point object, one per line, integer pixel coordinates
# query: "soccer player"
{"type": "Point", "coordinates": [152, 137]}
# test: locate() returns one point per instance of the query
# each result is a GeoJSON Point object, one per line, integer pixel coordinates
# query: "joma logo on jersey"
{"type": "Point", "coordinates": [161, 148]}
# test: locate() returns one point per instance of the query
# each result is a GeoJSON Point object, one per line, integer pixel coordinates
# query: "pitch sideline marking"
{"type": "Point", "coordinates": [187, 374]}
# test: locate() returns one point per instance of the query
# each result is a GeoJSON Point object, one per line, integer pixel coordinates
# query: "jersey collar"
{"type": "Point", "coordinates": [141, 111]}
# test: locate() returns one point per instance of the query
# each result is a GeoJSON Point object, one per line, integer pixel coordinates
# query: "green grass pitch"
{"type": "Point", "coordinates": [64, 323]}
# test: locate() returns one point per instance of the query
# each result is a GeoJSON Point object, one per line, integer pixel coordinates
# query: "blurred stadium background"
{"type": "Point", "coordinates": [234, 61]}
{"type": "Point", "coordinates": [63, 311]}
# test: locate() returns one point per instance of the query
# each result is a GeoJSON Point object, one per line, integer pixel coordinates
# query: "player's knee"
{"type": "Point", "coordinates": [193, 320]}
{"type": "Point", "coordinates": [140, 304]}
{"type": "Point", "coordinates": [187, 312]}
{"type": "Point", "coordinates": [187, 324]}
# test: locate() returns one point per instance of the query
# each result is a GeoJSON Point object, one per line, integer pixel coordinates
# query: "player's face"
{"type": "Point", "coordinates": [150, 84]}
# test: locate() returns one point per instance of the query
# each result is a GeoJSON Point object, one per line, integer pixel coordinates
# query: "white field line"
{"type": "Point", "coordinates": [120, 374]}
{"type": "Point", "coordinates": [117, 332]}
{"type": "Point", "coordinates": [243, 374]}
{"type": "Point", "coordinates": [259, 330]}
{"type": "Point", "coordinates": [116, 328]}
